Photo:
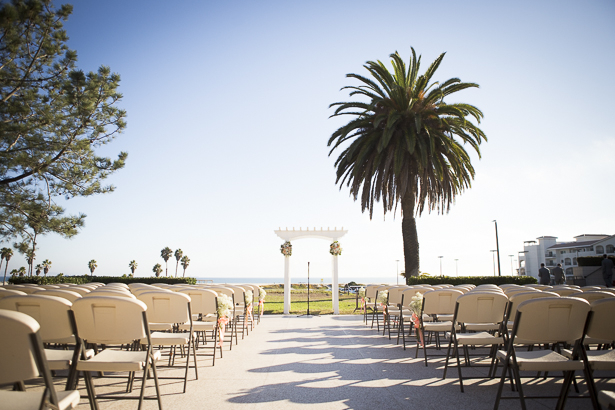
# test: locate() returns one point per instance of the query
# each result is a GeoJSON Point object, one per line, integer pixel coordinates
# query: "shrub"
{"type": "Point", "coordinates": [50, 280]}
{"type": "Point", "coordinates": [473, 280]}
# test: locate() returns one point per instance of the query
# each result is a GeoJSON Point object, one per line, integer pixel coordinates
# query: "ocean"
{"type": "Point", "coordinates": [299, 280]}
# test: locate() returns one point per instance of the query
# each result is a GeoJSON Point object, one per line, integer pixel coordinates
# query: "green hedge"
{"type": "Point", "coordinates": [473, 280]}
{"type": "Point", "coordinates": [592, 260]}
{"type": "Point", "coordinates": [50, 280]}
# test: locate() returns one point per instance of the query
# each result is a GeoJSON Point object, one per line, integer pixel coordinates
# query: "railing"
{"type": "Point", "coordinates": [550, 255]}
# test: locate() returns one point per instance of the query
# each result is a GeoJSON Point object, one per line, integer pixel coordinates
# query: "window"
{"type": "Point", "coordinates": [599, 249]}
{"type": "Point", "coordinates": [609, 249]}
{"type": "Point", "coordinates": [567, 261]}
{"type": "Point", "coordinates": [562, 252]}
{"type": "Point", "coordinates": [568, 271]}
{"type": "Point", "coordinates": [574, 261]}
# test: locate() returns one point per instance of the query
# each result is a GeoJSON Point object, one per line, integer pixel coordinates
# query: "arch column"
{"type": "Point", "coordinates": [335, 292]}
{"type": "Point", "coordinates": [286, 285]}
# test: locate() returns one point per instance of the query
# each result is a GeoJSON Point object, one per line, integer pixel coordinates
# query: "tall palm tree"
{"type": "Point", "coordinates": [92, 265]}
{"type": "Point", "coordinates": [30, 256]}
{"type": "Point", "coordinates": [178, 255]}
{"type": "Point", "coordinates": [405, 145]}
{"type": "Point", "coordinates": [185, 262]}
{"type": "Point", "coordinates": [133, 267]}
{"type": "Point", "coordinates": [157, 269]}
{"type": "Point", "coordinates": [46, 265]}
{"type": "Point", "coordinates": [6, 255]}
{"type": "Point", "coordinates": [39, 269]}
{"type": "Point", "coordinates": [166, 253]}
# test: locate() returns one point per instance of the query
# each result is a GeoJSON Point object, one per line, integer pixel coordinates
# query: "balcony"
{"type": "Point", "coordinates": [550, 255]}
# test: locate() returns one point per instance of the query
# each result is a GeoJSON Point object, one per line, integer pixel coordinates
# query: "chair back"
{"type": "Point", "coordinates": [166, 307]}
{"type": "Point", "coordinates": [593, 296]}
{"type": "Point", "coordinates": [517, 298]}
{"type": "Point", "coordinates": [51, 312]}
{"type": "Point", "coordinates": [224, 290]}
{"type": "Point", "coordinates": [240, 294]}
{"type": "Point", "coordinates": [118, 293]}
{"type": "Point", "coordinates": [370, 291]}
{"type": "Point", "coordinates": [11, 292]}
{"type": "Point", "coordinates": [481, 307]}
{"type": "Point", "coordinates": [441, 301]}
{"type": "Point", "coordinates": [564, 291]}
{"type": "Point", "coordinates": [110, 319]}
{"type": "Point", "coordinates": [408, 294]}
{"type": "Point", "coordinates": [539, 287]}
{"type": "Point", "coordinates": [61, 293]}
{"type": "Point", "coordinates": [202, 301]}
{"type": "Point", "coordinates": [17, 360]}
{"type": "Point", "coordinates": [602, 325]}
{"type": "Point", "coordinates": [551, 320]}
{"type": "Point", "coordinates": [395, 295]}
{"type": "Point", "coordinates": [510, 292]}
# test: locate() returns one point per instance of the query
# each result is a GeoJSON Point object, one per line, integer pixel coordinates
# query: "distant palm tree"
{"type": "Point", "coordinates": [92, 265]}
{"type": "Point", "coordinates": [405, 145]}
{"type": "Point", "coordinates": [133, 267]}
{"type": "Point", "coordinates": [178, 255]}
{"type": "Point", "coordinates": [30, 256]}
{"type": "Point", "coordinates": [46, 265]}
{"type": "Point", "coordinates": [157, 269]}
{"type": "Point", "coordinates": [185, 263]}
{"type": "Point", "coordinates": [166, 253]}
{"type": "Point", "coordinates": [39, 269]}
{"type": "Point", "coordinates": [22, 271]}
{"type": "Point", "coordinates": [15, 272]}
{"type": "Point", "coordinates": [6, 255]}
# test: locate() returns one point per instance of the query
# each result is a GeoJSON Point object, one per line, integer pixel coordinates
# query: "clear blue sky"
{"type": "Point", "coordinates": [228, 123]}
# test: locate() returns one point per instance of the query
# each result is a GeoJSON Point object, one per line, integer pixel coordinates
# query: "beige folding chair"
{"type": "Point", "coordinates": [66, 294]}
{"type": "Point", "coordinates": [11, 292]}
{"type": "Point", "coordinates": [592, 296]}
{"type": "Point", "coordinates": [606, 399]}
{"type": "Point", "coordinates": [515, 299]}
{"type": "Point", "coordinates": [233, 320]}
{"type": "Point", "coordinates": [370, 297]}
{"type": "Point", "coordinates": [546, 321]}
{"type": "Point", "coordinates": [379, 307]}
{"type": "Point", "coordinates": [204, 304]}
{"type": "Point", "coordinates": [406, 313]}
{"type": "Point", "coordinates": [112, 320]}
{"type": "Point", "coordinates": [474, 311]}
{"type": "Point", "coordinates": [23, 358]}
{"type": "Point", "coordinates": [240, 309]}
{"type": "Point", "coordinates": [564, 291]}
{"type": "Point", "coordinates": [57, 327]}
{"type": "Point", "coordinates": [173, 308]}
{"type": "Point", "coordinates": [393, 310]}
{"type": "Point", "coordinates": [437, 304]}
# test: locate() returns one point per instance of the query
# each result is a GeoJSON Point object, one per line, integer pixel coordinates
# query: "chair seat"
{"type": "Point", "coordinates": [161, 327]}
{"type": "Point", "coordinates": [445, 318]}
{"type": "Point", "coordinates": [69, 340]}
{"type": "Point", "coordinates": [17, 400]}
{"type": "Point", "coordinates": [543, 360]}
{"type": "Point", "coordinates": [439, 326]}
{"type": "Point", "coordinates": [168, 339]}
{"type": "Point", "coordinates": [480, 338]}
{"type": "Point", "coordinates": [197, 326]}
{"type": "Point", "coordinates": [116, 361]}
{"type": "Point", "coordinates": [62, 359]}
{"type": "Point", "coordinates": [593, 341]}
{"type": "Point", "coordinates": [482, 327]}
{"type": "Point", "coordinates": [606, 399]}
{"type": "Point", "coordinates": [598, 359]}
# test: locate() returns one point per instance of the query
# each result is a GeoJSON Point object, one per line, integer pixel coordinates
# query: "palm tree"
{"type": "Point", "coordinates": [46, 265]}
{"type": "Point", "coordinates": [92, 265]}
{"type": "Point", "coordinates": [178, 255]}
{"type": "Point", "coordinates": [157, 269]}
{"type": "Point", "coordinates": [6, 255]}
{"type": "Point", "coordinates": [22, 271]}
{"type": "Point", "coordinates": [185, 262]}
{"type": "Point", "coordinates": [166, 253]}
{"type": "Point", "coordinates": [406, 145]}
{"type": "Point", "coordinates": [39, 269]}
{"type": "Point", "coordinates": [30, 256]}
{"type": "Point", "coordinates": [133, 267]}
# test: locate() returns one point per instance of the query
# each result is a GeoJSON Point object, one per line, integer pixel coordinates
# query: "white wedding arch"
{"type": "Point", "coordinates": [328, 234]}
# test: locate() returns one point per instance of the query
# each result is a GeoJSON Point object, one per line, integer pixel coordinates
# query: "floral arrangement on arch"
{"type": "Point", "coordinates": [286, 248]}
{"type": "Point", "coordinates": [225, 305]}
{"type": "Point", "coordinates": [249, 297]}
{"type": "Point", "coordinates": [335, 249]}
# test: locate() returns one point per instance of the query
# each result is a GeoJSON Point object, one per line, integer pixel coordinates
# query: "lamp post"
{"type": "Point", "coordinates": [493, 251]}
{"type": "Point", "coordinates": [440, 264]}
{"type": "Point", "coordinates": [397, 260]}
{"type": "Point", "coordinates": [511, 264]}
{"type": "Point", "coordinates": [456, 267]}
{"type": "Point", "coordinates": [497, 245]}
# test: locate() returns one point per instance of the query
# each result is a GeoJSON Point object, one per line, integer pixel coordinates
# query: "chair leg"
{"type": "Point", "coordinates": [89, 386]}
{"type": "Point", "coordinates": [459, 366]}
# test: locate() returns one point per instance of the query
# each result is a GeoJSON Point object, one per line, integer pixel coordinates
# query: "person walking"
{"type": "Point", "coordinates": [607, 271]}
{"type": "Point", "coordinates": [544, 275]}
{"type": "Point", "coordinates": [558, 274]}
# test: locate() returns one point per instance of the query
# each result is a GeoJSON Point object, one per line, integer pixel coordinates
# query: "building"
{"type": "Point", "coordinates": [547, 250]}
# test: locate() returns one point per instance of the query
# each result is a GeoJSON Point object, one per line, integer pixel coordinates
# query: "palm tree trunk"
{"type": "Point", "coordinates": [5, 269]}
{"type": "Point", "coordinates": [411, 240]}
{"type": "Point", "coordinates": [176, 266]}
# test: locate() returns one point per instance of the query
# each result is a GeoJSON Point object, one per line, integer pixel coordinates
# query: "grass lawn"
{"type": "Point", "coordinates": [320, 302]}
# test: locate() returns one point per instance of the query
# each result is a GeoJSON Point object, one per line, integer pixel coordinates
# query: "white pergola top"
{"type": "Point", "coordinates": [290, 235]}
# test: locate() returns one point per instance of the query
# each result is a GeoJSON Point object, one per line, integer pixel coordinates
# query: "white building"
{"type": "Point", "coordinates": [550, 252]}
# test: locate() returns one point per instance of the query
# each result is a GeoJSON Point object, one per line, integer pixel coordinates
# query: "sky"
{"type": "Point", "coordinates": [228, 121]}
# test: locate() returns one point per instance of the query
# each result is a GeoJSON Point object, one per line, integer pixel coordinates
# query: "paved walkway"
{"type": "Point", "coordinates": [329, 362]}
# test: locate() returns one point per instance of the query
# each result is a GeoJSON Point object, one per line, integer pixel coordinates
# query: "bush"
{"type": "Point", "coordinates": [592, 260]}
{"type": "Point", "coordinates": [50, 280]}
{"type": "Point", "coordinates": [473, 280]}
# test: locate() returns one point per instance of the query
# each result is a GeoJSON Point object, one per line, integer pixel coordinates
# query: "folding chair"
{"type": "Point", "coordinates": [23, 358]}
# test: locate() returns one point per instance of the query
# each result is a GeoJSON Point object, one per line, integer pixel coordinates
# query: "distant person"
{"type": "Point", "coordinates": [544, 275]}
{"type": "Point", "coordinates": [558, 274]}
{"type": "Point", "coordinates": [607, 271]}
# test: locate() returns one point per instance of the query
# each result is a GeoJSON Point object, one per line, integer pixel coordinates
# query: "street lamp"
{"type": "Point", "coordinates": [397, 260]}
{"type": "Point", "coordinates": [511, 267]}
{"type": "Point", "coordinates": [497, 244]}
{"type": "Point", "coordinates": [440, 264]}
{"type": "Point", "coordinates": [493, 251]}
{"type": "Point", "coordinates": [456, 267]}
